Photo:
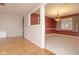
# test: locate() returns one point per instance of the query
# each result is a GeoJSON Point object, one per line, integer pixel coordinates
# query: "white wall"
{"type": "Point", "coordinates": [32, 32]}
{"type": "Point", "coordinates": [11, 23]}
{"type": "Point", "coordinates": [35, 33]}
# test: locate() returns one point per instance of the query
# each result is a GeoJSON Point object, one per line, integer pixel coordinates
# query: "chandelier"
{"type": "Point", "coordinates": [58, 18]}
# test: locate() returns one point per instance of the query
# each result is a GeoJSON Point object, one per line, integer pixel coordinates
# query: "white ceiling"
{"type": "Point", "coordinates": [63, 8]}
{"type": "Point", "coordinates": [18, 8]}
{"type": "Point", "coordinates": [51, 8]}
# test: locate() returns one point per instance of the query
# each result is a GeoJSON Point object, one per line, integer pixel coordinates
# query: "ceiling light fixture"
{"type": "Point", "coordinates": [58, 18]}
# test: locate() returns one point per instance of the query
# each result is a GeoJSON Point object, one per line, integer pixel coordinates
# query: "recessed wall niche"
{"type": "Point", "coordinates": [35, 17]}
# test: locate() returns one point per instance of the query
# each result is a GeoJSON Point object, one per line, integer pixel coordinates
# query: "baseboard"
{"type": "Point", "coordinates": [62, 35]}
{"type": "Point", "coordinates": [33, 42]}
{"type": "Point", "coordinates": [49, 34]}
{"type": "Point", "coordinates": [50, 50]}
{"type": "Point", "coordinates": [15, 35]}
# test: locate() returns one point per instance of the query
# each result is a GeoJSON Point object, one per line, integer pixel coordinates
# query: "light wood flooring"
{"type": "Point", "coordinates": [20, 46]}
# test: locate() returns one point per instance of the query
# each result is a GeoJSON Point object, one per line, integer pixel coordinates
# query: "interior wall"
{"type": "Point", "coordinates": [50, 24]}
{"type": "Point", "coordinates": [11, 24]}
{"type": "Point", "coordinates": [35, 33]}
{"type": "Point", "coordinates": [32, 32]}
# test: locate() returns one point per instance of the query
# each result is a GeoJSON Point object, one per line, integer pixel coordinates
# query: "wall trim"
{"type": "Point", "coordinates": [50, 50]}
{"type": "Point", "coordinates": [33, 41]}
{"type": "Point", "coordinates": [62, 35]}
{"type": "Point", "coordinates": [14, 35]}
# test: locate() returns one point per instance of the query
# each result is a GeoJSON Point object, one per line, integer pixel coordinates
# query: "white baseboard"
{"type": "Point", "coordinates": [61, 35]}
{"type": "Point", "coordinates": [50, 50]}
{"type": "Point", "coordinates": [15, 35]}
{"type": "Point", "coordinates": [33, 42]}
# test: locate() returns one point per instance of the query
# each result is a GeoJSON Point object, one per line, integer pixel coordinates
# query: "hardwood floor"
{"type": "Point", "coordinates": [20, 46]}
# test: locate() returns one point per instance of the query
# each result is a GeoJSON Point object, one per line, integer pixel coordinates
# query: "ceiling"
{"type": "Point", "coordinates": [50, 9]}
{"type": "Point", "coordinates": [37, 11]}
{"type": "Point", "coordinates": [63, 8]}
{"type": "Point", "coordinates": [18, 8]}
